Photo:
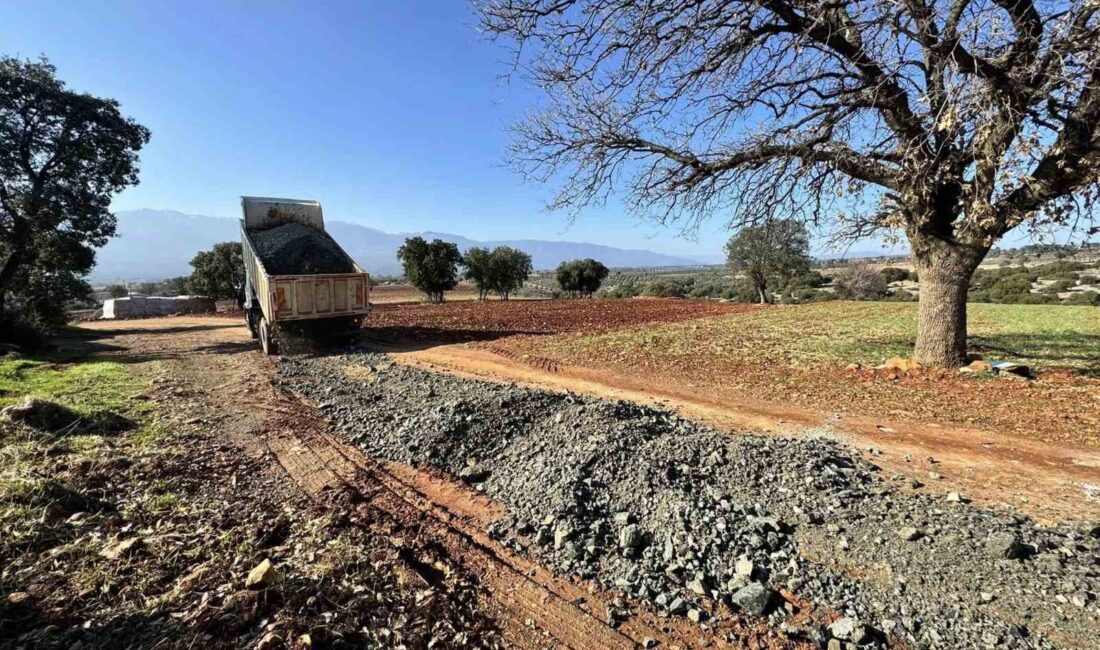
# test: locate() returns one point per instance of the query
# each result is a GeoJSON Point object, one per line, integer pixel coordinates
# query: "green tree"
{"type": "Point", "coordinates": [509, 268]}
{"type": "Point", "coordinates": [477, 262]}
{"type": "Point", "coordinates": [218, 273]}
{"type": "Point", "coordinates": [431, 267]}
{"type": "Point", "coordinates": [581, 277]}
{"type": "Point", "coordinates": [951, 123]}
{"type": "Point", "coordinates": [117, 290]}
{"type": "Point", "coordinates": [63, 156]}
{"type": "Point", "coordinates": [778, 248]}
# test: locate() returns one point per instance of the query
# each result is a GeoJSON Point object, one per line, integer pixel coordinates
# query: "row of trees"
{"type": "Point", "coordinates": [433, 267]}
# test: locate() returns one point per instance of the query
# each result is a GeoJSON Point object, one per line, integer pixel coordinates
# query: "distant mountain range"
{"type": "Point", "coordinates": [157, 244]}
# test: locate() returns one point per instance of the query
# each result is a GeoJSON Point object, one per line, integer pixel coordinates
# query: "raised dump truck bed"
{"type": "Point", "coordinates": [289, 235]}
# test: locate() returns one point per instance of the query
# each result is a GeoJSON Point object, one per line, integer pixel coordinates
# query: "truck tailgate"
{"type": "Point", "coordinates": [295, 297]}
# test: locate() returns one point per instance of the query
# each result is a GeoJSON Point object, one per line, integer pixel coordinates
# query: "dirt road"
{"type": "Point", "coordinates": [439, 526]}
{"type": "Point", "coordinates": [1051, 483]}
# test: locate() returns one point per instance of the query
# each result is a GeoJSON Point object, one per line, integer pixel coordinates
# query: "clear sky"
{"type": "Point", "coordinates": [392, 113]}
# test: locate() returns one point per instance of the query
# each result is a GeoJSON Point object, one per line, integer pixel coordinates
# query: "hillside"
{"type": "Point", "coordinates": [155, 244]}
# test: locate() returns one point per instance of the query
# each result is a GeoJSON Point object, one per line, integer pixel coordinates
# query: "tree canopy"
{"type": "Point", "coordinates": [431, 267]}
{"type": "Point", "coordinates": [218, 273]}
{"type": "Point", "coordinates": [63, 157]}
{"type": "Point", "coordinates": [581, 277]}
{"type": "Point", "coordinates": [501, 271]}
{"type": "Point", "coordinates": [951, 122]}
{"type": "Point", "coordinates": [775, 249]}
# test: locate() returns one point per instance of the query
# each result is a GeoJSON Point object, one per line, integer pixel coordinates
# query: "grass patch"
{"type": "Point", "coordinates": [91, 388]}
{"type": "Point", "coordinates": [861, 332]}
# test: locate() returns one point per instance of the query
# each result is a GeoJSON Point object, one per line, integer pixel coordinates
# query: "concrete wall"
{"type": "Point", "coordinates": [148, 306]}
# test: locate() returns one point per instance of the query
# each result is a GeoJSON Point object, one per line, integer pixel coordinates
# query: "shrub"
{"type": "Point", "coordinates": [859, 283]}
{"type": "Point", "coordinates": [893, 274]}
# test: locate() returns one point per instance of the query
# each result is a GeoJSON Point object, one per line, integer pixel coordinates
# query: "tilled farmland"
{"type": "Point", "coordinates": [700, 523]}
{"type": "Point", "coordinates": [500, 318]}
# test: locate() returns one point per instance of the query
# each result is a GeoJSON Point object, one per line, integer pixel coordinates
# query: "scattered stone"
{"type": "Point", "coordinates": [630, 537]}
{"type": "Point", "coordinates": [744, 567]}
{"type": "Point", "coordinates": [18, 597]}
{"type": "Point", "coordinates": [623, 518]}
{"type": "Point", "coordinates": [909, 533]}
{"type": "Point", "coordinates": [473, 474]}
{"type": "Point", "coordinates": [753, 598]}
{"type": "Point", "coordinates": [123, 548]}
{"type": "Point", "coordinates": [954, 497]}
{"type": "Point", "coordinates": [980, 365]}
{"type": "Point", "coordinates": [41, 414]}
{"type": "Point", "coordinates": [898, 363]}
{"type": "Point", "coordinates": [1005, 545]}
{"type": "Point", "coordinates": [696, 615]}
{"type": "Point", "coordinates": [843, 628]}
{"type": "Point", "coordinates": [562, 534]}
{"type": "Point", "coordinates": [263, 575]}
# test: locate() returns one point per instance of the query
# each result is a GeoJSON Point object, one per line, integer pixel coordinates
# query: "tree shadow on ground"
{"type": "Point", "coordinates": [1080, 352]}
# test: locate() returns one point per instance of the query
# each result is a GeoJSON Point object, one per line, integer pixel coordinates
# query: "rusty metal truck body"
{"type": "Point", "coordinates": [274, 300]}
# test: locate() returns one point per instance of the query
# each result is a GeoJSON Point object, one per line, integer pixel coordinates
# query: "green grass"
{"type": "Point", "coordinates": [860, 332]}
{"type": "Point", "coordinates": [85, 387]}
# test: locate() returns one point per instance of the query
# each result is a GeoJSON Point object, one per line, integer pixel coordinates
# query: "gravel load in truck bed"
{"type": "Point", "coordinates": [297, 249]}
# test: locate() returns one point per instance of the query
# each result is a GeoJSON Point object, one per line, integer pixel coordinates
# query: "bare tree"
{"type": "Point", "coordinates": [952, 122]}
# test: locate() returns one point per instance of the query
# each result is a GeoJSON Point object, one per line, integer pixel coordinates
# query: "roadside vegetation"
{"type": "Point", "coordinates": [1067, 282]}
{"type": "Point", "coordinates": [75, 152]}
{"type": "Point", "coordinates": [127, 520]}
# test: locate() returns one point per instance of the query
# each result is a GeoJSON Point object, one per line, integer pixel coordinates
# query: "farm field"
{"type": "Point", "coordinates": [473, 320]}
{"type": "Point", "coordinates": [800, 355]}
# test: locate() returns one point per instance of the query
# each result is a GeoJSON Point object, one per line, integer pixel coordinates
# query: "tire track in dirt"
{"type": "Point", "coordinates": [437, 524]}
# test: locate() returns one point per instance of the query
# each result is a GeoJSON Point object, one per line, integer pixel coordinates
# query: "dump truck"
{"type": "Point", "coordinates": [297, 278]}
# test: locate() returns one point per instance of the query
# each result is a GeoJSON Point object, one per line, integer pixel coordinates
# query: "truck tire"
{"type": "Point", "coordinates": [267, 338]}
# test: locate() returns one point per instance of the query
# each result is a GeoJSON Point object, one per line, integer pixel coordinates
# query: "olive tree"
{"type": "Point", "coordinates": [950, 122]}
{"type": "Point", "coordinates": [63, 156]}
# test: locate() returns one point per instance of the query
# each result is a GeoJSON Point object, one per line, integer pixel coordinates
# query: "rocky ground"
{"type": "Point", "coordinates": [687, 518]}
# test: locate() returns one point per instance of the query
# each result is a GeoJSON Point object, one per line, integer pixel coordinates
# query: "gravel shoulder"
{"type": "Point", "coordinates": [686, 517]}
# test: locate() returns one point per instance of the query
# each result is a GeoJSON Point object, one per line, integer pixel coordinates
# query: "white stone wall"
{"type": "Point", "coordinates": [149, 306]}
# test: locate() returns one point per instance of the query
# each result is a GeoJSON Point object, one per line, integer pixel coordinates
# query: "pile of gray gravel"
{"type": "Point", "coordinates": [296, 249]}
{"type": "Point", "coordinates": [682, 516]}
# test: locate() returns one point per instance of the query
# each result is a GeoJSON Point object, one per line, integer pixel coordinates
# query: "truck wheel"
{"type": "Point", "coordinates": [267, 338]}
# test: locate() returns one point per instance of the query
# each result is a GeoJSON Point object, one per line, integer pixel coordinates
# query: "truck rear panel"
{"type": "Point", "coordinates": [284, 298]}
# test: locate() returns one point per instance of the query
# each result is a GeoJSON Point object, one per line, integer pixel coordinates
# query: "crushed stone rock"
{"type": "Point", "coordinates": [293, 248]}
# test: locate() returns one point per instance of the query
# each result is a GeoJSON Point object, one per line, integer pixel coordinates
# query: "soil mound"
{"type": "Point", "coordinates": [293, 249]}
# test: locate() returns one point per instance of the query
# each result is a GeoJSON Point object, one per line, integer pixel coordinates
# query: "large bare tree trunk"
{"type": "Point", "coordinates": [944, 272]}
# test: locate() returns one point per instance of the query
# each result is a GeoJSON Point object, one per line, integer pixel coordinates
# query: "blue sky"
{"type": "Point", "coordinates": [393, 114]}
